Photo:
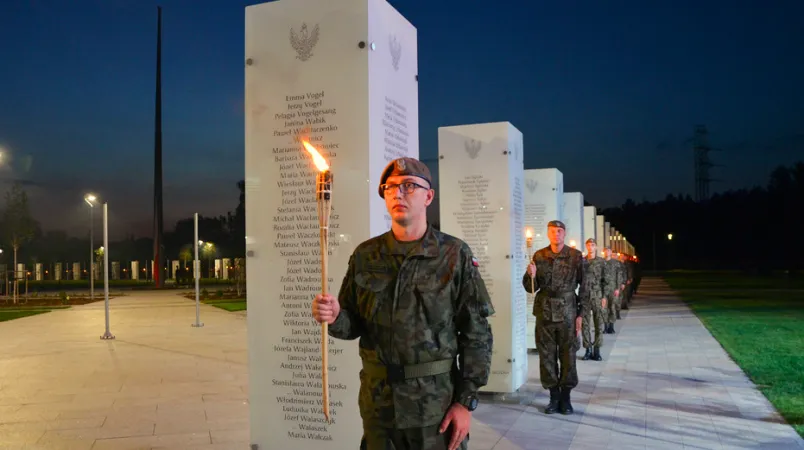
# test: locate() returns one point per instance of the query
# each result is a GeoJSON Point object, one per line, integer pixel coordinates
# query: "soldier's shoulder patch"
{"type": "Point", "coordinates": [475, 262]}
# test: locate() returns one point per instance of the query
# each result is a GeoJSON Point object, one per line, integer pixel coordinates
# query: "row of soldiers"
{"type": "Point", "coordinates": [604, 285]}
{"type": "Point", "coordinates": [610, 284]}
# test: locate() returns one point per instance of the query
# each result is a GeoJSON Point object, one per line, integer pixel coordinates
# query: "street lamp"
{"type": "Point", "coordinates": [90, 199]}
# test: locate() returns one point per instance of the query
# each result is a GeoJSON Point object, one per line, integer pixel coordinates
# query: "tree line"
{"type": "Point", "coordinates": [21, 230]}
{"type": "Point", "coordinates": [757, 229]}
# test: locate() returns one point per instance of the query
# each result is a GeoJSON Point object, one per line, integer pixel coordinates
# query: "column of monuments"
{"type": "Point", "coordinates": [544, 192]}
{"type": "Point", "coordinates": [573, 219]}
{"type": "Point", "coordinates": [589, 224]}
{"type": "Point", "coordinates": [480, 175]}
{"type": "Point", "coordinates": [613, 239]}
{"type": "Point", "coordinates": [346, 72]}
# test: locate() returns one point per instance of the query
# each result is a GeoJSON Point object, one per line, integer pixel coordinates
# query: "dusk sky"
{"type": "Point", "coordinates": [607, 92]}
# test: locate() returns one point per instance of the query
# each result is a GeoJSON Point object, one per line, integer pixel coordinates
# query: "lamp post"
{"type": "Point", "coordinates": [90, 200]}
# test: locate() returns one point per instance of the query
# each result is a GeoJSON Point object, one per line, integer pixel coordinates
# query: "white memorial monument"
{"type": "Point", "coordinates": [343, 73]}
{"type": "Point", "coordinates": [573, 220]}
{"type": "Point", "coordinates": [480, 175]}
{"type": "Point", "coordinates": [544, 196]}
{"type": "Point", "coordinates": [135, 270]}
{"type": "Point", "coordinates": [607, 234]}
{"type": "Point", "coordinates": [38, 271]}
{"type": "Point", "coordinates": [226, 268]}
{"type": "Point", "coordinates": [589, 224]}
{"type": "Point", "coordinates": [613, 239]}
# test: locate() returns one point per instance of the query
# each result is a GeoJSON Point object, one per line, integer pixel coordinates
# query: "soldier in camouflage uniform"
{"type": "Point", "coordinates": [415, 299]}
{"type": "Point", "coordinates": [611, 289]}
{"type": "Point", "coordinates": [637, 275]}
{"type": "Point", "coordinates": [556, 271]}
{"type": "Point", "coordinates": [594, 302]}
{"type": "Point", "coordinates": [629, 282]}
{"type": "Point", "coordinates": [623, 284]}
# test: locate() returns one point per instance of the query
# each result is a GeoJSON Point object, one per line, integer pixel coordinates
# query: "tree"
{"type": "Point", "coordinates": [18, 225]}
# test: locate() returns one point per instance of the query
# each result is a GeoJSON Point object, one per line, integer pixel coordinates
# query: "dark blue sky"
{"type": "Point", "coordinates": [608, 92]}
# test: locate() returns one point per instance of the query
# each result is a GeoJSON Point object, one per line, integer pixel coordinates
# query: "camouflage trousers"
{"type": "Point", "coordinates": [628, 294]}
{"type": "Point", "coordinates": [427, 438]}
{"type": "Point", "coordinates": [595, 315]}
{"type": "Point", "coordinates": [557, 343]}
{"type": "Point", "coordinates": [612, 307]}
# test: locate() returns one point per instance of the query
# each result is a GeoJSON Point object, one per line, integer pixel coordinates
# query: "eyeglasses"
{"type": "Point", "coordinates": [406, 187]}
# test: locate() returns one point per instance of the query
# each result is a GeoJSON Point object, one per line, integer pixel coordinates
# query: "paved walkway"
{"type": "Point", "coordinates": [664, 383]}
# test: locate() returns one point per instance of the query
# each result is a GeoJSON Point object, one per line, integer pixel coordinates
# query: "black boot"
{"type": "Point", "coordinates": [618, 314]}
{"type": "Point", "coordinates": [564, 404]}
{"type": "Point", "coordinates": [587, 355]}
{"type": "Point", "coordinates": [552, 407]}
{"type": "Point", "coordinates": [596, 354]}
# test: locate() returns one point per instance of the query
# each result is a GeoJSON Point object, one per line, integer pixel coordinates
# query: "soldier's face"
{"type": "Point", "coordinates": [556, 235]}
{"type": "Point", "coordinates": [591, 249]}
{"type": "Point", "coordinates": [408, 207]}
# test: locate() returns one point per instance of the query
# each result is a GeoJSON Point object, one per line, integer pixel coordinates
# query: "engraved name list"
{"type": "Point", "coordinates": [297, 246]}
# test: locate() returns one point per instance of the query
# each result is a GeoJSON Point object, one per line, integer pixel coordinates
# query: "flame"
{"type": "Point", "coordinates": [573, 243]}
{"type": "Point", "coordinates": [320, 162]}
{"type": "Point", "coordinates": [528, 233]}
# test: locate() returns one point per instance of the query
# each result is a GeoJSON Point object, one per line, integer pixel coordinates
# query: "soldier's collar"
{"type": "Point", "coordinates": [427, 246]}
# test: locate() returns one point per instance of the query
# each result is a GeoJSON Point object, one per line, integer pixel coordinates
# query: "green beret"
{"type": "Point", "coordinates": [557, 223]}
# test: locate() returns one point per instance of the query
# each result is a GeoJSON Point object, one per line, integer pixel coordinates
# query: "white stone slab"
{"type": "Point", "coordinates": [480, 185]}
{"type": "Point", "coordinates": [589, 224]}
{"type": "Point", "coordinates": [544, 196]}
{"type": "Point", "coordinates": [135, 270]}
{"type": "Point", "coordinates": [348, 70]}
{"type": "Point", "coordinates": [573, 219]}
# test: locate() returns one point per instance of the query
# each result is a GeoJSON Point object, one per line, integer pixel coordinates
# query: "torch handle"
{"type": "Point", "coordinates": [324, 325]}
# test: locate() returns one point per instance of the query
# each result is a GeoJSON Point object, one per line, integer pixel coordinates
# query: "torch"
{"type": "Point", "coordinates": [529, 245]}
{"type": "Point", "coordinates": [323, 195]}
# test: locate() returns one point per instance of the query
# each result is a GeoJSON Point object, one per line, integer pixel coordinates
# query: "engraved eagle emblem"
{"type": "Point", "coordinates": [396, 50]}
{"type": "Point", "coordinates": [400, 165]}
{"type": "Point", "coordinates": [472, 148]}
{"type": "Point", "coordinates": [531, 185]}
{"type": "Point", "coordinates": [304, 41]}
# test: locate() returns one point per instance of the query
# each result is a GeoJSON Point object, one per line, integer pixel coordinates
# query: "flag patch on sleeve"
{"type": "Point", "coordinates": [475, 262]}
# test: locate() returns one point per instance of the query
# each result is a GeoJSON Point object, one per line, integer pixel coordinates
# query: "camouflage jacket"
{"type": "Point", "coordinates": [611, 277]}
{"type": "Point", "coordinates": [557, 277]}
{"type": "Point", "coordinates": [592, 278]}
{"type": "Point", "coordinates": [421, 305]}
{"type": "Point", "coordinates": [623, 272]}
{"type": "Point", "coordinates": [629, 266]}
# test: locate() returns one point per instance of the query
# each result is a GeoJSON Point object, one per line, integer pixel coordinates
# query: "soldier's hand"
{"type": "Point", "coordinates": [326, 308]}
{"type": "Point", "coordinates": [532, 270]}
{"type": "Point", "coordinates": [578, 326]}
{"type": "Point", "coordinates": [616, 292]}
{"type": "Point", "coordinates": [460, 419]}
{"type": "Point", "coordinates": [603, 302]}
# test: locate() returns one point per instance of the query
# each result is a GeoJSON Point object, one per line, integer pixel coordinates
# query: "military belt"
{"type": "Point", "coordinates": [395, 373]}
{"type": "Point", "coordinates": [551, 293]}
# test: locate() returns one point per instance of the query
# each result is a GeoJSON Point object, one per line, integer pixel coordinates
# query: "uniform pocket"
{"type": "Point", "coordinates": [373, 288]}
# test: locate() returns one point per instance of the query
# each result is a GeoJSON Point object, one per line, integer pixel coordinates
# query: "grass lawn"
{"type": "Point", "coordinates": [759, 323]}
{"type": "Point", "coordinates": [12, 314]}
{"type": "Point", "coordinates": [229, 304]}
